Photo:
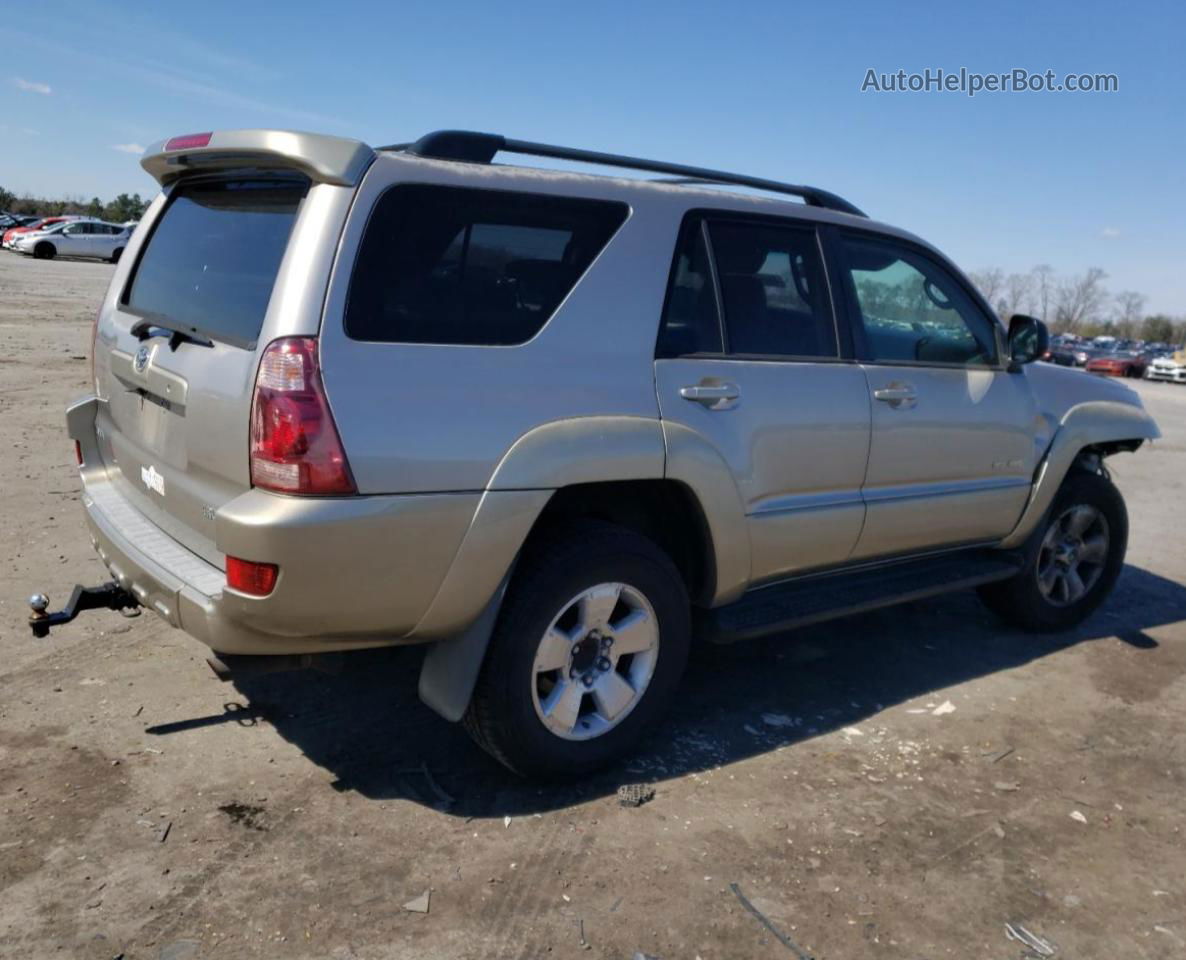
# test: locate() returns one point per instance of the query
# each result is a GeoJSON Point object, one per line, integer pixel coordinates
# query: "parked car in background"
{"type": "Point", "coordinates": [1122, 364]}
{"type": "Point", "coordinates": [76, 238]}
{"type": "Point", "coordinates": [1171, 367]}
{"type": "Point", "coordinates": [1063, 355]}
{"type": "Point", "coordinates": [10, 235]}
{"type": "Point", "coordinates": [9, 221]}
{"type": "Point", "coordinates": [1085, 354]}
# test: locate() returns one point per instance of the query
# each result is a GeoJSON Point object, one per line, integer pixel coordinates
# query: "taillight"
{"type": "Point", "coordinates": [295, 446]}
{"type": "Point", "coordinates": [247, 576]}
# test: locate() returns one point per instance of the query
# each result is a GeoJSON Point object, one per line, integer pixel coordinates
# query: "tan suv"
{"type": "Point", "coordinates": [553, 424]}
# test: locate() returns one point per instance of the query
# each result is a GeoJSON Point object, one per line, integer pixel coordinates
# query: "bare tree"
{"type": "Point", "coordinates": [1081, 300]}
{"type": "Point", "coordinates": [1018, 295]}
{"type": "Point", "coordinates": [990, 283]}
{"type": "Point", "coordinates": [1043, 275]}
{"type": "Point", "coordinates": [1129, 305]}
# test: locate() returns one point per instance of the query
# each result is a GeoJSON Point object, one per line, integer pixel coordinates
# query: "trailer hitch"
{"type": "Point", "coordinates": [108, 596]}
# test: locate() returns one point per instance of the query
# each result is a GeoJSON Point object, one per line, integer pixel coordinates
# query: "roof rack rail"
{"type": "Point", "coordinates": [474, 147]}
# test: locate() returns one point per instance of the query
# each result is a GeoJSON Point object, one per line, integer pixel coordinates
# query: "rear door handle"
{"type": "Point", "coordinates": [715, 396]}
{"type": "Point", "coordinates": [897, 395]}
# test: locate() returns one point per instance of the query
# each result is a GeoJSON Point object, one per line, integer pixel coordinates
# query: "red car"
{"type": "Point", "coordinates": [11, 235]}
{"type": "Point", "coordinates": [1118, 365]}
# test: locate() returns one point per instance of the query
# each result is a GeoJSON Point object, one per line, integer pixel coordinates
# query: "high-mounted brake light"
{"type": "Point", "coordinates": [295, 446]}
{"type": "Point", "coordinates": [188, 141]}
{"type": "Point", "coordinates": [247, 576]}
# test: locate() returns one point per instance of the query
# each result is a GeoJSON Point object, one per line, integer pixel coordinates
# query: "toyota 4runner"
{"type": "Point", "coordinates": [555, 424]}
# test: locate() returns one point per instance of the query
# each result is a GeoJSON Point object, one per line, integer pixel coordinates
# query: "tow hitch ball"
{"type": "Point", "coordinates": [108, 596]}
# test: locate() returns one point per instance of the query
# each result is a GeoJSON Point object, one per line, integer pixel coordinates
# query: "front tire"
{"type": "Point", "coordinates": [114, 258]}
{"type": "Point", "coordinates": [588, 650]}
{"type": "Point", "coordinates": [44, 251]}
{"type": "Point", "coordinates": [1072, 560]}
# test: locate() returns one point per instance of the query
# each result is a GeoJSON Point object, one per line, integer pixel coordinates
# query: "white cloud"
{"type": "Point", "coordinates": [1110, 232]}
{"type": "Point", "coordinates": [186, 82]}
{"type": "Point", "coordinates": [127, 147]}
{"type": "Point", "coordinates": [30, 86]}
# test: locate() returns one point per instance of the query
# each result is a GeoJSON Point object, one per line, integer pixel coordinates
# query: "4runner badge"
{"type": "Point", "coordinates": [153, 480]}
{"type": "Point", "coordinates": [140, 364]}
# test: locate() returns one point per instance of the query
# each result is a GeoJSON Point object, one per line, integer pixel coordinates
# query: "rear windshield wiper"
{"type": "Point", "coordinates": [143, 329]}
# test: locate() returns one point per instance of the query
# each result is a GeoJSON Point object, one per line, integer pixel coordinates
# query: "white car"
{"type": "Point", "coordinates": [76, 238]}
{"type": "Point", "coordinates": [1172, 368]}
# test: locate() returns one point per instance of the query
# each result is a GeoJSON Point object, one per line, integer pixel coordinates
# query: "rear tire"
{"type": "Point", "coordinates": [1072, 560]}
{"type": "Point", "coordinates": [588, 650]}
{"type": "Point", "coordinates": [44, 251]}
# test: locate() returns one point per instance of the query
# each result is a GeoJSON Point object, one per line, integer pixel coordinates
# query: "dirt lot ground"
{"type": "Point", "coordinates": [899, 785]}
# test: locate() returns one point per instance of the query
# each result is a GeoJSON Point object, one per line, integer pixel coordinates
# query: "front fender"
{"type": "Point", "coordinates": [1084, 425]}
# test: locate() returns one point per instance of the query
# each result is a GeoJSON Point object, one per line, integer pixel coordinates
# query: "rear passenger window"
{"type": "Point", "coordinates": [773, 291]}
{"type": "Point", "coordinates": [451, 265]}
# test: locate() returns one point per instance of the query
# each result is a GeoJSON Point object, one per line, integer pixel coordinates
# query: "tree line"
{"type": "Point", "coordinates": [123, 208]}
{"type": "Point", "coordinates": [1080, 304]}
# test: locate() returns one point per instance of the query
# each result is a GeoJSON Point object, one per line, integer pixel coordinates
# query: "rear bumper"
{"type": "Point", "coordinates": [355, 572]}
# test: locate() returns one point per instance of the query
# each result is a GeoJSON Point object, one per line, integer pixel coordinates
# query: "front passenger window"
{"type": "Point", "coordinates": [912, 310]}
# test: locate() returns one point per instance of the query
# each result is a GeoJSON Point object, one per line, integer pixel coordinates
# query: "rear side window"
{"type": "Point", "coordinates": [212, 259]}
{"type": "Point", "coordinates": [450, 265]}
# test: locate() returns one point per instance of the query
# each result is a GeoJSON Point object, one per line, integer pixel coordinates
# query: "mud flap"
{"type": "Point", "coordinates": [451, 667]}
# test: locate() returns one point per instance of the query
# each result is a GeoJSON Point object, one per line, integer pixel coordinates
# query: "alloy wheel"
{"type": "Point", "coordinates": [1072, 556]}
{"type": "Point", "coordinates": [595, 660]}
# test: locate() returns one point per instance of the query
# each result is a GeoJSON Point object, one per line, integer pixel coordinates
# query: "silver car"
{"type": "Point", "coordinates": [554, 424]}
{"type": "Point", "coordinates": [89, 238]}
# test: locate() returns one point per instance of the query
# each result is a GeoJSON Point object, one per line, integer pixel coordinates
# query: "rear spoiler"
{"type": "Point", "coordinates": [324, 159]}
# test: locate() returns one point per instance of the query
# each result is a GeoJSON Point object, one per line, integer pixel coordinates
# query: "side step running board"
{"type": "Point", "coordinates": [813, 599]}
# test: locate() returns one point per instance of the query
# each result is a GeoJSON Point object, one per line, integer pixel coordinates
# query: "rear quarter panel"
{"type": "Point", "coordinates": [422, 417]}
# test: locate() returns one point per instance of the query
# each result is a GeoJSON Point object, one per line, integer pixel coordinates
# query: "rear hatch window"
{"type": "Point", "coordinates": [212, 259]}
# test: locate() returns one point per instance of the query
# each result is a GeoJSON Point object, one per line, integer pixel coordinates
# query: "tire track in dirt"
{"type": "Point", "coordinates": [175, 911]}
{"type": "Point", "coordinates": [510, 918]}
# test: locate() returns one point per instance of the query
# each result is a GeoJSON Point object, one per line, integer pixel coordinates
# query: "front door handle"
{"type": "Point", "coordinates": [897, 395]}
{"type": "Point", "coordinates": [715, 396]}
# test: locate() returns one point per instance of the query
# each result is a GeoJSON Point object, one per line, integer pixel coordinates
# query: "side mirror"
{"type": "Point", "coordinates": [1028, 340]}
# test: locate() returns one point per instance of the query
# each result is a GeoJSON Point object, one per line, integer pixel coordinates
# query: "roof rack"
{"type": "Point", "coordinates": [474, 147]}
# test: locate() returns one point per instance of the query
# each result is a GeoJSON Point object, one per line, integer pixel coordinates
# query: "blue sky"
{"type": "Point", "coordinates": [1001, 179]}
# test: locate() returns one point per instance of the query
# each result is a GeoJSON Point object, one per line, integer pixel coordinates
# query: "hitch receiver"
{"type": "Point", "coordinates": [108, 596]}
